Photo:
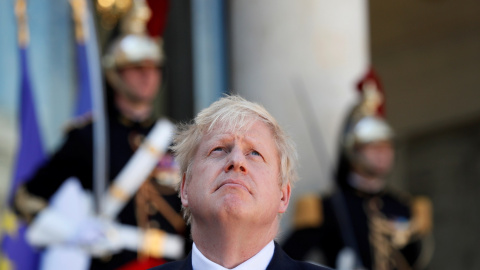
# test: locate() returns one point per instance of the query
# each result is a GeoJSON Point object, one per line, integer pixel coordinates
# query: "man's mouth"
{"type": "Point", "coordinates": [233, 184]}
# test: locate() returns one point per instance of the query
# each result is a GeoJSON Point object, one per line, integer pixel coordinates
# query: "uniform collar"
{"type": "Point", "coordinates": [365, 188]}
{"type": "Point", "coordinates": [125, 121]}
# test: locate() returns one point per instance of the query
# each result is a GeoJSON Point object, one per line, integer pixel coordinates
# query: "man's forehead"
{"type": "Point", "coordinates": [236, 128]}
{"type": "Point", "coordinates": [227, 135]}
{"type": "Point", "coordinates": [252, 131]}
{"type": "Point", "coordinates": [239, 125]}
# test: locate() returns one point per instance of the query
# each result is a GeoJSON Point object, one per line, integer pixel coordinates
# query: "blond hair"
{"type": "Point", "coordinates": [232, 113]}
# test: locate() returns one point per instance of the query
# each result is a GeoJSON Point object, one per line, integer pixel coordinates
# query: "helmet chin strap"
{"type": "Point", "coordinates": [364, 177]}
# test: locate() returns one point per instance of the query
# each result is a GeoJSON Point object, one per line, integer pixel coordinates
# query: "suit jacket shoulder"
{"type": "Point", "coordinates": [185, 264]}
{"type": "Point", "coordinates": [281, 260]}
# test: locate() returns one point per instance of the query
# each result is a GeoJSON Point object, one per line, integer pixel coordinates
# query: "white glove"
{"type": "Point", "coordinates": [69, 220]}
{"type": "Point", "coordinates": [51, 228]}
{"type": "Point", "coordinates": [88, 232]}
{"type": "Point", "coordinates": [103, 238]}
{"type": "Point", "coordinates": [154, 243]}
{"type": "Point", "coordinates": [59, 223]}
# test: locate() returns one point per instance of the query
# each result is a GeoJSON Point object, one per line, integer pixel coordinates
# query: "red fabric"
{"type": "Point", "coordinates": [142, 264]}
{"type": "Point", "coordinates": [371, 75]}
{"type": "Point", "coordinates": [158, 20]}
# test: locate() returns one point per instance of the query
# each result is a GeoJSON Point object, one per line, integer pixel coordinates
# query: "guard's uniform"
{"type": "Point", "coordinates": [317, 226]}
{"type": "Point", "coordinates": [75, 158]}
{"type": "Point", "coordinates": [363, 225]}
{"type": "Point", "coordinates": [155, 208]}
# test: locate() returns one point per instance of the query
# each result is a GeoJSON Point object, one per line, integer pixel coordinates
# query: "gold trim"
{"type": "Point", "coordinates": [110, 11]}
{"type": "Point", "coordinates": [79, 8]}
{"type": "Point", "coordinates": [27, 204]}
{"type": "Point", "coordinates": [21, 13]}
{"type": "Point", "coordinates": [151, 149]}
{"type": "Point", "coordinates": [387, 238]}
{"type": "Point", "coordinates": [153, 243]}
{"type": "Point", "coordinates": [135, 21]}
{"type": "Point", "coordinates": [422, 215]}
{"type": "Point", "coordinates": [79, 122]}
{"type": "Point", "coordinates": [166, 210]}
{"type": "Point", "coordinates": [119, 193]}
{"type": "Point", "coordinates": [308, 212]}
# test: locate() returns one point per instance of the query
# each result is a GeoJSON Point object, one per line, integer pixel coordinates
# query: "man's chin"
{"type": "Point", "coordinates": [235, 202]}
{"type": "Point", "coordinates": [141, 100]}
{"type": "Point", "coordinates": [375, 172]}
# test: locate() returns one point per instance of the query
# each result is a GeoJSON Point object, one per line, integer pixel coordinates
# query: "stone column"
{"type": "Point", "coordinates": [297, 57]}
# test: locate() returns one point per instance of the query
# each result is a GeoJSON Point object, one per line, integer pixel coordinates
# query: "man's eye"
{"type": "Point", "coordinates": [256, 153]}
{"type": "Point", "coordinates": [216, 151]}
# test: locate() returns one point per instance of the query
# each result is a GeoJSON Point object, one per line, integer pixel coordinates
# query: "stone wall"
{"type": "Point", "coordinates": [445, 165]}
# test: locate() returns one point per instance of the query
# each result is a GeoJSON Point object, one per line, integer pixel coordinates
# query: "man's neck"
{"type": "Point", "coordinates": [135, 111]}
{"type": "Point", "coordinates": [230, 245]}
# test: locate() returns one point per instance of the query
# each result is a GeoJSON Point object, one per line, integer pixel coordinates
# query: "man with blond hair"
{"type": "Point", "coordinates": [237, 167]}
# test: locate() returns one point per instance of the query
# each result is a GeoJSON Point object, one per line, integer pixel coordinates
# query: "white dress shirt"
{"type": "Point", "coordinates": [258, 262]}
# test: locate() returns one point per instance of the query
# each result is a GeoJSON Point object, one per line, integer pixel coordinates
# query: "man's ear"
{"type": "Point", "coordinates": [285, 192]}
{"type": "Point", "coordinates": [183, 191]}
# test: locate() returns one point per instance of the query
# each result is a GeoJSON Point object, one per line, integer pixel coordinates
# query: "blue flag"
{"type": "Point", "coordinates": [30, 154]}
{"type": "Point", "coordinates": [84, 94]}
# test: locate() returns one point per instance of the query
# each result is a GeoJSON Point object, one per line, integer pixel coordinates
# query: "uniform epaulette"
{"type": "Point", "coordinates": [308, 212]}
{"type": "Point", "coordinates": [422, 215]}
{"type": "Point", "coordinates": [27, 204]}
{"type": "Point", "coordinates": [79, 122]}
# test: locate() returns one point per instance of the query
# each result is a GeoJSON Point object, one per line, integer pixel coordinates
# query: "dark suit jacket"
{"type": "Point", "coordinates": [280, 260]}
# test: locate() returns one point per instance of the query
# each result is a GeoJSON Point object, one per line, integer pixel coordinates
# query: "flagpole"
{"type": "Point", "coordinates": [93, 94]}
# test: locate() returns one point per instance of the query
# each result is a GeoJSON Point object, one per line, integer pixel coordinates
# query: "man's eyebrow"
{"type": "Point", "coordinates": [218, 139]}
{"type": "Point", "coordinates": [222, 137]}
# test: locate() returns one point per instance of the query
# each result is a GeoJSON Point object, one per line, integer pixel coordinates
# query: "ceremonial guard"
{"type": "Point", "coordinates": [363, 224]}
{"type": "Point", "coordinates": [138, 223]}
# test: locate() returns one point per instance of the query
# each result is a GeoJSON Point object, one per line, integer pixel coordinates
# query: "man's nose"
{"type": "Point", "coordinates": [236, 161]}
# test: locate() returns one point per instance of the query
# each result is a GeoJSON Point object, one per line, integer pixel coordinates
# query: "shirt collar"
{"type": "Point", "coordinates": [259, 261]}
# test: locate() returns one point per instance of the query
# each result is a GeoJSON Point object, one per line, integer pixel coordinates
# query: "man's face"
{"type": "Point", "coordinates": [378, 157]}
{"type": "Point", "coordinates": [142, 81]}
{"type": "Point", "coordinates": [236, 177]}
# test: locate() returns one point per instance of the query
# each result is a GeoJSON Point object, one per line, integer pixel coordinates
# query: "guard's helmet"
{"type": "Point", "coordinates": [367, 129]}
{"type": "Point", "coordinates": [133, 50]}
{"type": "Point", "coordinates": [366, 124]}
{"type": "Point", "coordinates": [134, 47]}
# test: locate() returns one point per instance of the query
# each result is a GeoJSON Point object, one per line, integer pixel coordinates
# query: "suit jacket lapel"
{"type": "Point", "coordinates": [187, 263]}
{"type": "Point", "coordinates": [280, 260]}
